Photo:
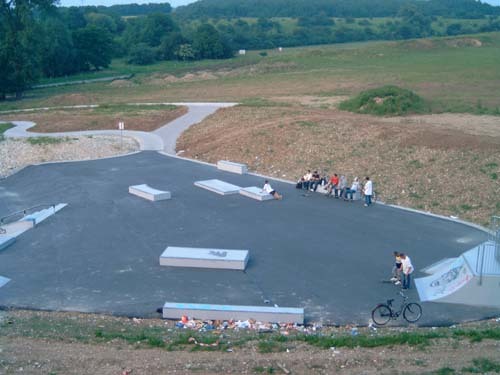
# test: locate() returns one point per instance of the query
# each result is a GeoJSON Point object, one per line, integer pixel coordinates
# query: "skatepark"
{"type": "Point", "coordinates": [101, 252]}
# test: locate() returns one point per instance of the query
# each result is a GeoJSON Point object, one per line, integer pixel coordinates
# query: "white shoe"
{"type": "Point", "coordinates": [366, 205]}
{"type": "Point", "coordinates": [397, 283]}
{"type": "Point", "coordinates": [394, 279]}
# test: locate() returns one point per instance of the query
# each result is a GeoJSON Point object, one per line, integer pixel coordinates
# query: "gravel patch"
{"type": "Point", "coordinates": [16, 154]}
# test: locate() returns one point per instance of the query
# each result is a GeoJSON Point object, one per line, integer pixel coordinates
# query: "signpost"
{"type": "Point", "coordinates": [121, 126]}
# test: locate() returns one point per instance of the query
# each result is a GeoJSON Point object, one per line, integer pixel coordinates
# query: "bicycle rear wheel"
{"type": "Point", "coordinates": [381, 314]}
{"type": "Point", "coordinates": [412, 312]}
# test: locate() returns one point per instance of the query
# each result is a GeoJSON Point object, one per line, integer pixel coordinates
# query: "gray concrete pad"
{"type": "Point", "coordinates": [101, 253]}
{"type": "Point", "coordinates": [175, 310]}
{"type": "Point", "coordinates": [218, 186]}
{"type": "Point", "coordinates": [204, 258]}
{"type": "Point", "coordinates": [230, 166]}
{"type": "Point", "coordinates": [255, 193]}
{"type": "Point", "coordinates": [147, 192]}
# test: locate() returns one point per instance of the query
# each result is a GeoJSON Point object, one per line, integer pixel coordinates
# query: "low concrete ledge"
{"type": "Point", "coordinates": [204, 258]}
{"type": "Point", "coordinates": [6, 241]}
{"type": "Point", "coordinates": [39, 216]}
{"type": "Point", "coordinates": [230, 166]}
{"type": "Point", "coordinates": [218, 186]}
{"type": "Point", "coordinates": [3, 281]}
{"type": "Point", "coordinates": [255, 193]}
{"type": "Point", "coordinates": [175, 310]}
{"type": "Point", "coordinates": [147, 192]}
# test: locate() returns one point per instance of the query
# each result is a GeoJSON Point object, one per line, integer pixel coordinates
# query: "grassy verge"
{"type": "Point", "coordinates": [3, 128]}
{"type": "Point", "coordinates": [97, 329]}
{"type": "Point", "coordinates": [42, 141]}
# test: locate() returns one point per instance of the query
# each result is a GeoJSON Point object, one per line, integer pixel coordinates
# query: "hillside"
{"type": "Point", "coordinates": [333, 8]}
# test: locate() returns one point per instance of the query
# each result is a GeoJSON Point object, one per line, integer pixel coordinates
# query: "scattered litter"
{"type": "Point", "coordinates": [194, 341]}
{"type": "Point", "coordinates": [137, 320]}
{"type": "Point", "coordinates": [282, 367]}
{"type": "Point", "coordinates": [354, 331]}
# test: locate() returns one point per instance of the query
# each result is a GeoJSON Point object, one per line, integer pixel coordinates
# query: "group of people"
{"type": "Point", "coordinates": [402, 270]}
{"type": "Point", "coordinates": [336, 186]}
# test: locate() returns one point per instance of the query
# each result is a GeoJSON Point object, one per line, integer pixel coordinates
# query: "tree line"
{"type": "Point", "coordinates": [333, 8]}
{"type": "Point", "coordinates": [38, 39]}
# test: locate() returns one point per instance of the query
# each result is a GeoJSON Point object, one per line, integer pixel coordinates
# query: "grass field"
{"type": "Point", "coordinates": [455, 74]}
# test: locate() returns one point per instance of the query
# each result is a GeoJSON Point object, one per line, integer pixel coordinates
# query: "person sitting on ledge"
{"type": "Point", "coordinates": [315, 180]}
{"type": "Point", "coordinates": [332, 185]}
{"type": "Point", "coordinates": [351, 191]}
{"type": "Point", "coordinates": [269, 190]}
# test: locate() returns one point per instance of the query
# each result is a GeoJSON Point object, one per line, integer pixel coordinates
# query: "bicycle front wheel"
{"type": "Point", "coordinates": [381, 314]}
{"type": "Point", "coordinates": [412, 312]}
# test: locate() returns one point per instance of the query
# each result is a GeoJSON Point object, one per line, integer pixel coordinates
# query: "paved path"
{"type": "Point", "coordinates": [162, 139]}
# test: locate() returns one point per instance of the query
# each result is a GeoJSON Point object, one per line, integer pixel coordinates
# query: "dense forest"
{"type": "Point", "coordinates": [38, 39]}
{"type": "Point", "coordinates": [333, 8]}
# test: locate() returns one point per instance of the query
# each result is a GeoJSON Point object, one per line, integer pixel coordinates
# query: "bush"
{"type": "Point", "coordinates": [142, 54]}
{"type": "Point", "coordinates": [386, 100]}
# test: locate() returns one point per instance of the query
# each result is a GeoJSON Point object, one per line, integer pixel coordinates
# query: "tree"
{"type": "Point", "coordinates": [57, 54]}
{"type": "Point", "coordinates": [169, 45]}
{"type": "Point", "coordinates": [208, 44]}
{"type": "Point", "coordinates": [185, 52]}
{"type": "Point", "coordinates": [19, 66]}
{"type": "Point", "coordinates": [142, 54]}
{"type": "Point", "coordinates": [94, 47]}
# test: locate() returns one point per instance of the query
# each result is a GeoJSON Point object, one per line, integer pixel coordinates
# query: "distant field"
{"type": "Point", "coordinates": [456, 74]}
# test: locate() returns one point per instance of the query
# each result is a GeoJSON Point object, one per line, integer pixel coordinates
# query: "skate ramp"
{"type": "Point", "coordinates": [471, 279]}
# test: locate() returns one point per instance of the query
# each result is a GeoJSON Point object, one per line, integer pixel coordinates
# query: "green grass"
{"type": "Point", "coordinates": [261, 102]}
{"type": "Point", "coordinates": [307, 124]}
{"type": "Point", "coordinates": [444, 371]}
{"type": "Point", "coordinates": [48, 140]}
{"type": "Point", "coordinates": [405, 338]}
{"type": "Point", "coordinates": [386, 100]}
{"type": "Point", "coordinates": [483, 366]}
{"type": "Point", "coordinates": [4, 126]}
{"type": "Point", "coordinates": [450, 78]}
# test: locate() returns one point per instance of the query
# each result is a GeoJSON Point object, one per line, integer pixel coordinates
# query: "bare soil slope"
{"type": "Point", "coordinates": [448, 164]}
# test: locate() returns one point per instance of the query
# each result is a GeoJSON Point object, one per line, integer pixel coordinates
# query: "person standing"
{"type": "Point", "coordinates": [269, 190]}
{"type": "Point", "coordinates": [396, 269]}
{"type": "Point", "coordinates": [368, 191]}
{"type": "Point", "coordinates": [407, 269]}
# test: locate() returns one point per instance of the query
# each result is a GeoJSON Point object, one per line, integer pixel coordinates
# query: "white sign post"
{"type": "Point", "coordinates": [121, 126]}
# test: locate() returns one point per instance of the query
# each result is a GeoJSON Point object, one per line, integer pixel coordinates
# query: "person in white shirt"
{"type": "Point", "coordinates": [354, 188]}
{"type": "Point", "coordinates": [269, 190]}
{"type": "Point", "coordinates": [307, 179]}
{"type": "Point", "coordinates": [407, 270]}
{"type": "Point", "coordinates": [368, 191]}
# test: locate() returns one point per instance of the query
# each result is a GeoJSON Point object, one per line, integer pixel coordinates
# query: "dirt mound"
{"type": "Point", "coordinates": [121, 83]}
{"type": "Point", "coordinates": [464, 42]}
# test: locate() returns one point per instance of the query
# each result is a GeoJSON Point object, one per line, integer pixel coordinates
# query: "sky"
{"type": "Point", "coordinates": [173, 3]}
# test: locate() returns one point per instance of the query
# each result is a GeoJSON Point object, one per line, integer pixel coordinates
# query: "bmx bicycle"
{"type": "Point", "coordinates": [384, 312]}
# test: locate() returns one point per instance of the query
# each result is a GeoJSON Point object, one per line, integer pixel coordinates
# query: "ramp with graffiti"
{"type": "Point", "coordinates": [471, 279]}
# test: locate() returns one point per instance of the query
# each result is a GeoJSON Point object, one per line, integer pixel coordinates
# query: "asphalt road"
{"type": "Point", "coordinates": [101, 253]}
